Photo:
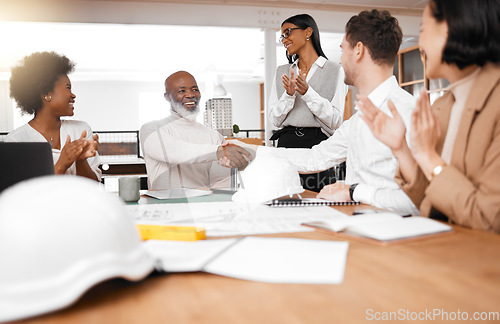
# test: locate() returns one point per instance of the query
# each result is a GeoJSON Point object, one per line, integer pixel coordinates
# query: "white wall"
{"type": "Point", "coordinates": [6, 118]}
{"type": "Point", "coordinates": [246, 103]}
{"type": "Point", "coordinates": [110, 105]}
{"type": "Point", "coordinates": [114, 105]}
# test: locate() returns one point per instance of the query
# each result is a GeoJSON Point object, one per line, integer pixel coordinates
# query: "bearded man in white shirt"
{"type": "Point", "coordinates": [369, 49]}
{"type": "Point", "coordinates": [182, 153]}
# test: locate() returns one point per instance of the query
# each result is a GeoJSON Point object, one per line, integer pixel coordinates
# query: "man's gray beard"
{"type": "Point", "coordinates": [179, 109]}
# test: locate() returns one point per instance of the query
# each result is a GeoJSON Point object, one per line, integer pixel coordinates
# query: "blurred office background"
{"type": "Point", "coordinates": [124, 50]}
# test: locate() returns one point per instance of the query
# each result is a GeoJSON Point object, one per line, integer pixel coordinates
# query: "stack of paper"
{"type": "Point", "coordinates": [275, 260]}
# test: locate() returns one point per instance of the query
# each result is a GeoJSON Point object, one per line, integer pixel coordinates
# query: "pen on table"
{"type": "Point", "coordinates": [365, 211]}
{"type": "Point", "coordinates": [373, 211]}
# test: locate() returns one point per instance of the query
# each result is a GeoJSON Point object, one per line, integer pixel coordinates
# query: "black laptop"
{"type": "Point", "coordinates": [24, 160]}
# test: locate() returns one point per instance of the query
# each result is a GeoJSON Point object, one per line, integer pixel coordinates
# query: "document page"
{"type": "Point", "coordinates": [178, 256]}
{"type": "Point", "coordinates": [230, 218]}
{"type": "Point", "coordinates": [283, 260]}
{"type": "Point", "coordinates": [400, 228]}
{"type": "Point", "coordinates": [264, 259]}
{"type": "Point", "coordinates": [339, 223]}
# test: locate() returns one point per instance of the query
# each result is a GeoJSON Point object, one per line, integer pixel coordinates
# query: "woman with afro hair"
{"type": "Point", "coordinates": [41, 87]}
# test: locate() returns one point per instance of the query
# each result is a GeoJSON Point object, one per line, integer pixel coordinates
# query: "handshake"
{"type": "Point", "coordinates": [235, 154]}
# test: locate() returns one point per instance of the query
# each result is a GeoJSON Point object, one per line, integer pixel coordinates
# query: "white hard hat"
{"type": "Point", "coordinates": [267, 178]}
{"type": "Point", "coordinates": [59, 236]}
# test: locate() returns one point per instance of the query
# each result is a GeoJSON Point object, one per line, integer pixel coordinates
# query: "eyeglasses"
{"type": "Point", "coordinates": [287, 33]}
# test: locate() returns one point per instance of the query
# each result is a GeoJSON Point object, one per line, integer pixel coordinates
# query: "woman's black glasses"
{"type": "Point", "coordinates": [287, 33]}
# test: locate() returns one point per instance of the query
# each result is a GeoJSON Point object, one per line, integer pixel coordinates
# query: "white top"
{"type": "Point", "coordinates": [331, 113]}
{"type": "Point", "coordinates": [369, 162]}
{"type": "Point", "coordinates": [182, 153]}
{"type": "Point", "coordinates": [461, 90]}
{"type": "Point", "coordinates": [73, 128]}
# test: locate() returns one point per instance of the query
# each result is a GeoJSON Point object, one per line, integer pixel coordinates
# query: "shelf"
{"type": "Point", "coordinates": [404, 84]}
{"type": "Point", "coordinates": [411, 69]}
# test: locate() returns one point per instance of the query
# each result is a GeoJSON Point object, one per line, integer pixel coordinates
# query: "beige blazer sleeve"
{"type": "Point", "coordinates": [468, 190]}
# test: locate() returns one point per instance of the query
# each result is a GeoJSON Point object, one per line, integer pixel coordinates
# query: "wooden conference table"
{"type": "Point", "coordinates": [458, 274]}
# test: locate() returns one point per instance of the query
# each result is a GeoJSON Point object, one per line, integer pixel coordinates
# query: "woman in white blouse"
{"type": "Point", "coordinates": [308, 94]}
{"type": "Point", "coordinates": [41, 87]}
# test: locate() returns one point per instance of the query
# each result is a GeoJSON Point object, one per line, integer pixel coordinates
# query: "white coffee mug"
{"type": "Point", "coordinates": [128, 188]}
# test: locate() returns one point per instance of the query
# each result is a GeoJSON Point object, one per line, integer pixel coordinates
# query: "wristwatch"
{"type": "Point", "coordinates": [437, 170]}
{"type": "Point", "coordinates": [351, 190]}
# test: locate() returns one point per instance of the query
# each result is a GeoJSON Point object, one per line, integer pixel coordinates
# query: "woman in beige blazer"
{"type": "Point", "coordinates": [451, 167]}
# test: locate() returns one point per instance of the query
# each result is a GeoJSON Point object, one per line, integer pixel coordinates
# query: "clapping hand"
{"type": "Point", "coordinates": [289, 82]}
{"type": "Point", "coordinates": [71, 151]}
{"type": "Point", "coordinates": [90, 147]}
{"type": "Point", "coordinates": [424, 134]}
{"type": "Point", "coordinates": [294, 83]}
{"type": "Point", "coordinates": [301, 84]}
{"type": "Point", "coordinates": [76, 151]}
{"type": "Point", "coordinates": [425, 128]}
{"type": "Point", "coordinates": [390, 131]}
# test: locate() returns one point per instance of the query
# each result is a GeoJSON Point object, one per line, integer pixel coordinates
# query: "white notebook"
{"type": "Point", "coordinates": [383, 227]}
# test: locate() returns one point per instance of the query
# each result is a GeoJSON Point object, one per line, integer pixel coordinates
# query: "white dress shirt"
{"type": "Point", "coordinates": [330, 113]}
{"type": "Point", "coordinates": [369, 162]}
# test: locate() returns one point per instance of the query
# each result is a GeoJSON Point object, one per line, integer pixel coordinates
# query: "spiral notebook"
{"type": "Point", "coordinates": [301, 202]}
